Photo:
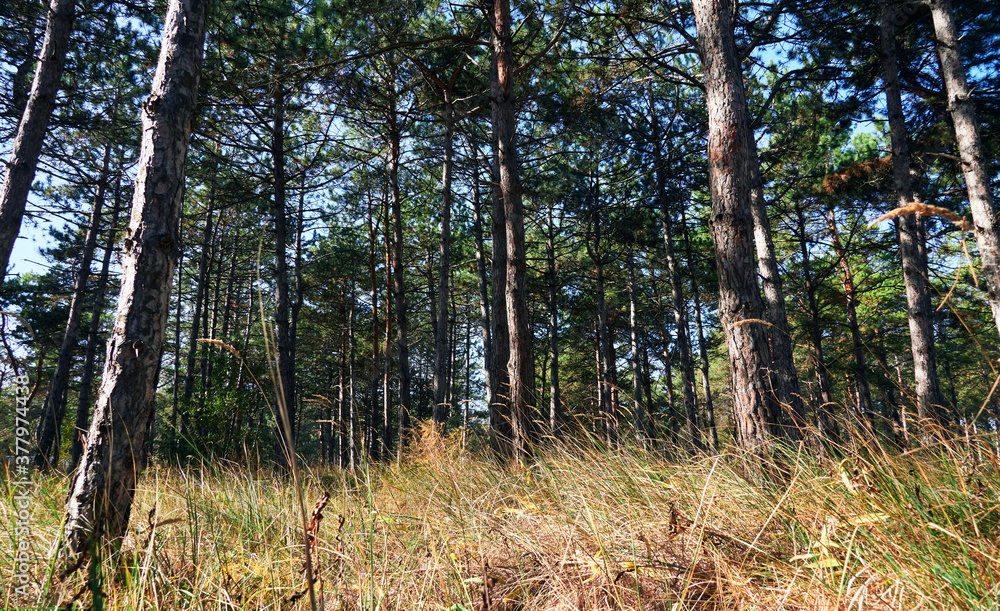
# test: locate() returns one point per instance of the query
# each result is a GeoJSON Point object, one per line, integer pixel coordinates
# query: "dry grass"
{"type": "Point", "coordinates": [583, 528]}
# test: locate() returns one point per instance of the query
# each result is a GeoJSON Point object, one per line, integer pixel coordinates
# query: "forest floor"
{"type": "Point", "coordinates": [582, 528]}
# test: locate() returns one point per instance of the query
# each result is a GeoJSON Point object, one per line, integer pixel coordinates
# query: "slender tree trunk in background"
{"type": "Point", "coordinates": [942, 339]}
{"type": "Point", "coordinates": [706, 385]}
{"type": "Point", "coordinates": [352, 420]}
{"type": "Point", "coordinates": [468, 389]}
{"type": "Point", "coordinates": [732, 167]}
{"type": "Point", "coordinates": [609, 406]}
{"type": "Point", "coordinates": [893, 417]}
{"type": "Point", "coordinates": [398, 286]}
{"type": "Point", "coordinates": [555, 400]}
{"type": "Point", "coordinates": [342, 408]}
{"type": "Point", "coordinates": [179, 305]}
{"type": "Point", "coordinates": [864, 392]}
{"type": "Point", "coordinates": [691, 428]}
{"type": "Point", "coordinates": [601, 430]}
{"type": "Point", "coordinates": [376, 325]}
{"type": "Point", "coordinates": [501, 440]}
{"type": "Point", "coordinates": [785, 380]}
{"type": "Point", "coordinates": [231, 291]}
{"type": "Point", "coordinates": [647, 388]}
{"type": "Point", "coordinates": [298, 297]}
{"type": "Point", "coordinates": [441, 407]}
{"type": "Point", "coordinates": [453, 346]}
{"type": "Point", "coordinates": [200, 298]}
{"type": "Point", "coordinates": [90, 359]}
{"type": "Point", "coordinates": [33, 126]}
{"type": "Point", "coordinates": [918, 302]}
{"type": "Point", "coordinates": [641, 419]}
{"type": "Point", "coordinates": [380, 444]}
{"type": "Point", "coordinates": [433, 307]}
{"type": "Point", "coordinates": [282, 298]}
{"type": "Point", "coordinates": [826, 424]}
{"type": "Point", "coordinates": [484, 297]}
{"type": "Point", "coordinates": [54, 408]}
{"type": "Point", "coordinates": [977, 181]}
{"type": "Point", "coordinates": [100, 498]}
{"type": "Point", "coordinates": [208, 328]}
{"type": "Point", "coordinates": [673, 421]}
{"type": "Point", "coordinates": [520, 366]}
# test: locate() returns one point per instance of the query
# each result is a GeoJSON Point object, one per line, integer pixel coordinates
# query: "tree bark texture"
{"type": "Point", "coordinates": [731, 170]}
{"type": "Point", "coordinates": [970, 148]}
{"type": "Point", "coordinates": [33, 126]}
{"type": "Point", "coordinates": [501, 435]}
{"type": "Point", "coordinates": [520, 367]}
{"type": "Point", "coordinates": [101, 492]}
{"type": "Point", "coordinates": [918, 302]}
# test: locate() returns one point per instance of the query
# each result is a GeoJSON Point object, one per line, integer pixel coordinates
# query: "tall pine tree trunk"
{"type": "Point", "coordinates": [731, 170]}
{"type": "Point", "coordinates": [520, 368]}
{"type": "Point", "coordinates": [398, 288]}
{"type": "Point", "coordinates": [441, 407]}
{"type": "Point", "coordinates": [970, 148]}
{"type": "Point", "coordinates": [33, 126]}
{"type": "Point", "coordinates": [501, 440]}
{"type": "Point", "coordinates": [784, 378]}
{"type": "Point", "coordinates": [100, 498]}
{"type": "Point", "coordinates": [918, 302]}
{"type": "Point", "coordinates": [282, 298]}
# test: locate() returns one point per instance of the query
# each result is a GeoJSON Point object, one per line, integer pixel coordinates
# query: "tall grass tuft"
{"type": "Point", "coordinates": [583, 527]}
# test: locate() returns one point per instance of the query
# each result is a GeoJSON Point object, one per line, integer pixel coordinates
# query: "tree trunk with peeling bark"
{"type": "Point", "coordinates": [101, 493]}
{"type": "Point", "coordinates": [731, 170]}
{"type": "Point", "coordinates": [33, 126]}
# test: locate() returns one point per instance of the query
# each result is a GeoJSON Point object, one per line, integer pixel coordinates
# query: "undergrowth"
{"type": "Point", "coordinates": [581, 528]}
